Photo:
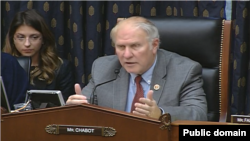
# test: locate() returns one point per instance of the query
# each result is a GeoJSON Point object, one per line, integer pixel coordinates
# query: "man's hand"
{"type": "Point", "coordinates": [149, 108]}
{"type": "Point", "coordinates": [77, 98]}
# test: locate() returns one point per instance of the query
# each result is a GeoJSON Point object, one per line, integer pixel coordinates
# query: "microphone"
{"type": "Point", "coordinates": [93, 97]}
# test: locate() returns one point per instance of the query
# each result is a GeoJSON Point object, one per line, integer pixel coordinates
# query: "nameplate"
{"type": "Point", "coordinates": [240, 119]}
{"type": "Point", "coordinates": [80, 130]}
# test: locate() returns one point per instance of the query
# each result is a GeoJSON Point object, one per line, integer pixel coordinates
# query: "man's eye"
{"type": "Point", "coordinates": [135, 45]}
{"type": "Point", "coordinates": [120, 47]}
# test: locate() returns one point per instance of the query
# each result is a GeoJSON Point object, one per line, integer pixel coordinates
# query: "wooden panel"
{"type": "Point", "coordinates": [30, 125]}
{"type": "Point", "coordinates": [225, 110]}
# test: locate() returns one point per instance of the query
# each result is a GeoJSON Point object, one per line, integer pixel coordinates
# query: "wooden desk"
{"type": "Point", "coordinates": [32, 125]}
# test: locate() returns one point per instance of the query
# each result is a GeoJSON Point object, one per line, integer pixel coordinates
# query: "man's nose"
{"type": "Point", "coordinates": [127, 53]}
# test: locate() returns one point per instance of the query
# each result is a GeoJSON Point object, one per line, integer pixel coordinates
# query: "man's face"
{"type": "Point", "coordinates": [136, 54]}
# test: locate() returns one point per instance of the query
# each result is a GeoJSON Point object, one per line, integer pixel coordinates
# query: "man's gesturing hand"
{"type": "Point", "coordinates": [149, 108]}
{"type": "Point", "coordinates": [77, 98]}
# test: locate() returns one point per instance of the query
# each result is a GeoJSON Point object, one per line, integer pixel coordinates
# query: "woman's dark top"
{"type": "Point", "coordinates": [15, 79]}
{"type": "Point", "coordinates": [63, 81]}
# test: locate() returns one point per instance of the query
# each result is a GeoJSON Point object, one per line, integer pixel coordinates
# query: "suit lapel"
{"type": "Point", "coordinates": [121, 90]}
{"type": "Point", "coordinates": [159, 75]}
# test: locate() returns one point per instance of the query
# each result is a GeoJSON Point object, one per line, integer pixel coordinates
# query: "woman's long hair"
{"type": "Point", "coordinates": [48, 60]}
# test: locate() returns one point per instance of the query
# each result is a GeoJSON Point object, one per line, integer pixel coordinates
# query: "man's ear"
{"type": "Point", "coordinates": [155, 44]}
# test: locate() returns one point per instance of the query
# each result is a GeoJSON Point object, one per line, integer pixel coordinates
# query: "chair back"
{"type": "Point", "coordinates": [25, 63]}
{"type": "Point", "coordinates": [201, 39]}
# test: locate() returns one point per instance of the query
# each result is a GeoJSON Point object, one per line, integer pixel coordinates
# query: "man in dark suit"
{"type": "Point", "coordinates": [15, 79]}
{"type": "Point", "coordinates": [170, 83]}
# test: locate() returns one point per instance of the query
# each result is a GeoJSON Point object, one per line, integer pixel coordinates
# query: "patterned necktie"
{"type": "Point", "coordinates": [139, 92]}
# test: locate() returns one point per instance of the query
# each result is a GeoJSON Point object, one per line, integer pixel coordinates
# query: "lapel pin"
{"type": "Point", "coordinates": [156, 87]}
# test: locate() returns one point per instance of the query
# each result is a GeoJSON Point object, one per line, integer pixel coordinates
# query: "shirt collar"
{"type": "Point", "coordinates": [147, 75]}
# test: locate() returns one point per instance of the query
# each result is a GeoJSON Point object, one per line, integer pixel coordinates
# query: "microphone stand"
{"type": "Point", "coordinates": [93, 97]}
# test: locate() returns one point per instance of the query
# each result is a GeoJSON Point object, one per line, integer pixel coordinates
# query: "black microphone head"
{"type": "Point", "coordinates": [117, 71]}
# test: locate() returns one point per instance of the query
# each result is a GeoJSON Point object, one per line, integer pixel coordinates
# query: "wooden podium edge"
{"type": "Point", "coordinates": [67, 107]}
{"type": "Point", "coordinates": [163, 122]}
